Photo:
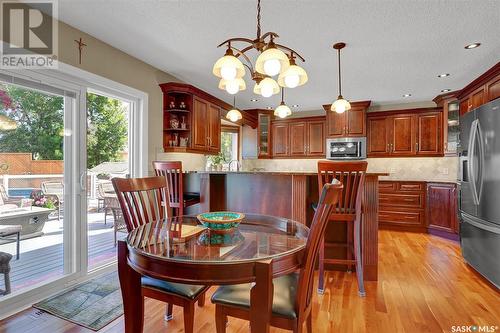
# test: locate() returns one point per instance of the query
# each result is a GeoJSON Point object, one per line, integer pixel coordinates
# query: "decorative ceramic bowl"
{"type": "Point", "coordinates": [221, 221]}
{"type": "Point", "coordinates": [209, 238]}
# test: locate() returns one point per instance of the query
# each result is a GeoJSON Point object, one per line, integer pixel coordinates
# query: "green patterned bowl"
{"type": "Point", "coordinates": [221, 221]}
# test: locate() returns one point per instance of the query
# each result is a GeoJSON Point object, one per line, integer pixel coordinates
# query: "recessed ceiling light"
{"type": "Point", "coordinates": [254, 100]}
{"type": "Point", "coordinates": [472, 46]}
{"type": "Point", "coordinates": [269, 107]}
{"type": "Point", "coordinates": [406, 95]}
{"type": "Point", "coordinates": [295, 106]}
{"type": "Point", "coordinates": [445, 90]}
{"type": "Point", "coordinates": [444, 75]}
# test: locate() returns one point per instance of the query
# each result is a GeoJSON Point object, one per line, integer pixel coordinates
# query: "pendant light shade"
{"type": "Point", "coordinates": [272, 61]}
{"type": "Point", "coordinates": [282, 111]}
{"type": "Point", "coordinates": [229, 67]}
{"type": "Point", "coordinates": [340, 105]}
{"type": "Point", "coordinates": [293, 77]}
{"type": "Point", "coordinates": [232, 86]}
{"type": "Point", "coordinates": [234, 114]}
{"type": "Point", "coordinates": [7, 124]}
{"type": "Point", "coordinates": [267, 87]}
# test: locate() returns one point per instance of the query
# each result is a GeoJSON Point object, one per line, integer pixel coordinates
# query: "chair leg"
{"type": "Point", "coordinates": [310, 323]}
{"type": "Point", "coordinates": [201, 300]}
{"type": "Point", "coordinates": [7, 283]}
{"type": "Point", "coordinates": [349, 245]}
{"type": "Point", "coordinates": [189, 317]}
{"type": "Point", "coordinates": [359, 257]}
{"type": "Point", "coordinates": [105, 214]}
{"type": "Point", "coordinates": [168, 312]}
{"type": "Point", "coordinates": [220, 319]}
{"type": "Point", "coordinates": [115, 231]}
{"type": "Point", "coordinates": [18, 245]}
{"type": "Point", "coordinates": [321, 267]}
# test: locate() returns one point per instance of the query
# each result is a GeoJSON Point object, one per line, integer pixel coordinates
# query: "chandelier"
{"type": "Point", "coordinates": [274, 59]}
{"type": "Point", "coordinates": [341, 105]}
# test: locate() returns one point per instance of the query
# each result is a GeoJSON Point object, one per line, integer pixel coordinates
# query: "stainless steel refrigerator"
{"type": "Point", "coordinates": [479, 198]}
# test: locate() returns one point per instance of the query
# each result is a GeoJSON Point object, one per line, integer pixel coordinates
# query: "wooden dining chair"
{"type": "Point", "coordinates": [348, 210]}
{"type": "Point", "coordinates": [143, 200]}
{"type": "Point", "coordinates": [292, 294]}
{"type": "Point", "coordinates": [178, 199]}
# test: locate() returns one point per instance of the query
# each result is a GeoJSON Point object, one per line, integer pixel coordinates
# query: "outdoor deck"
{"type": "Point", "coordinates": [41, 258]}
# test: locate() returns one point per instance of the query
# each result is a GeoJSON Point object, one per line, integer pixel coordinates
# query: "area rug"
{"type": "Point", "coordinates": [93, 304]}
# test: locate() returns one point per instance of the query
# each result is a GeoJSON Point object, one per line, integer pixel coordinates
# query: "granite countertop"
{"type": "Point", "coordinates": [283, 173]}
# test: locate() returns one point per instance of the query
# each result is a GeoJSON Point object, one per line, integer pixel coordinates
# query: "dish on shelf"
{"type": "Point", "coordinates": [221, 221]}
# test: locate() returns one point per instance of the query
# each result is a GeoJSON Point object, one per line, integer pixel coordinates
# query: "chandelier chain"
{"type": "Point", "coordinates": [258, 19]}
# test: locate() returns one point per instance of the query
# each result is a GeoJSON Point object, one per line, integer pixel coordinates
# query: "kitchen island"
{"type": "Point", "coordinates": [290, 195]}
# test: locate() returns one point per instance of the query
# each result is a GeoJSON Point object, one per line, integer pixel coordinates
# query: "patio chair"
{"type": "Point", "coordinates": [54, 190]}
{"type": "Point", "coordinates": [12, 230]}
{"type": "Point", "coordinates": [5, 270]}
{"type": "Point", "coordinates": [119, 224]}
{"type": "Point", "coordinates": [106, 191]}
{"type": "Point", "coordinates": [14, 200]}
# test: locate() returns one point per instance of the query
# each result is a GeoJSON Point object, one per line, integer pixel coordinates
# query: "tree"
{"type": "Point", "coordinates": [40, 125]}
{"type": "Point", "coordinates": [106, 129]}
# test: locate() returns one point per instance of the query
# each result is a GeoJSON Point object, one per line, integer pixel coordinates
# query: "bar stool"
{"type": "Point", "coordinates": [5, 270]}
{"type": "Point", "coordinates": [348, 210]}
{"type": "Point", "coordinates": [172, 171]}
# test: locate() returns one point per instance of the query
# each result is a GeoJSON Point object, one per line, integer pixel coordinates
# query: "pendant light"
{"type": "Point", "coordinates": [282, 110]}
{"type": "Point", "coordinates": [266, 87]}
{"type": "Point", "coordinates": [340, 105]}
{"type": "Point", "coordinates": [294, 76]}
{"type": "Point", "coordinates": [272, 61]}
{"type": "Point", "coordinates": [232, 86]}
{"type": "Point", "coordinates": [234, 114]}
{"type": "Point", "coordinates": [229, 67]}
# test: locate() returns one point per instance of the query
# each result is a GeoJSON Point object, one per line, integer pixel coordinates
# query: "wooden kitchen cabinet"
{"type": "Point", "coordinates": [429, 134]}
{"type": "Point", "coordinates": [451, 121]}
{"type": "Point", "coordinates": [442, 207]}
{"type": "Point", "coordinates": [482, 90]}
{"type": "Point", "coordinates": [280, 139]}
{"type": "Point", "coordinates": [214, 133]}
{"type": "Point", "coordinates": [351, 123]}
{"type": "Point", "coordinates": [405, 133]}
{"type": "Point", "coordinates": [206, 126]}
{"type": "Point", "coordinates": [299, 137]}
{"type": "Point", "coordinates": [264, 135]}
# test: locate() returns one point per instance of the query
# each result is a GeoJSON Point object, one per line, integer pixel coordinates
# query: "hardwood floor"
{"type": "Point", "coordinates": [424, 286]}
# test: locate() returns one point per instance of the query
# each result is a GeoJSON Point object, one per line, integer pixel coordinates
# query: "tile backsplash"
{"type": "Point", "coordinates": [418, 168]}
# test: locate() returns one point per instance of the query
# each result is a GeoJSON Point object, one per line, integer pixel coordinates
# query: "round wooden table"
{"type": "Point", "coordinates": [179, 250]}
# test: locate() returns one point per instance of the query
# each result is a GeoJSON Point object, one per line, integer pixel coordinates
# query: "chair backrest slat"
{"type": "Point", "coordinates": [330, 195]}
{"type": "Point", "coordinates": [351, 175]}
{"type": "Point", "coordinates": [172, 171]}
{"type": "Point", "coordinates": [142, 200]}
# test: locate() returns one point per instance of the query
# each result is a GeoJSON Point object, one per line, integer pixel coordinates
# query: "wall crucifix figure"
{"type": "Point", "coordinates": [81, 44]}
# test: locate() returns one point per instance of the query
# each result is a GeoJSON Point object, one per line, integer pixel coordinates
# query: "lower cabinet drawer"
{"type": "Point", "coordinates": [403, 200]}
{"type": "Point", "coordinates": [415, 218]}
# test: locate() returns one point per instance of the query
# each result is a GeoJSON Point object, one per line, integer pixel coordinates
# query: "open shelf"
{"type": "Point", "coordinates": [177, 129]}
{"type": "Point", "coordinates": [177, 110]}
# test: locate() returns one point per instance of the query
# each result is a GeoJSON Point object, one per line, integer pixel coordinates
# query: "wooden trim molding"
{"type": "Point", "coordinates": [402, 112]}
{"type": "Point", "coordinates": [360, 104]}
{"type": "Point", "coordinates": [480, 81]}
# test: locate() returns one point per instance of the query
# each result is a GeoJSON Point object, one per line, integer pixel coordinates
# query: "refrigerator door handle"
{"type": "Point", "coordinates": [472, 167]}
{"type": "Point", "coordinates": [479, 134]}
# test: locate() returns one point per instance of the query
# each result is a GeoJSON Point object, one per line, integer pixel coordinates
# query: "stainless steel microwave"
{"type": "Point", "coordinates": [346, 149]}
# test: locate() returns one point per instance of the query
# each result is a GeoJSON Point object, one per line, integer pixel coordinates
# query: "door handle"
{"type": "Point", "coordinates": [83, 182]}
{"type": "Point", "coordinates": [472, 168]}
{"type": "Point", "coordinates": [416, 146]}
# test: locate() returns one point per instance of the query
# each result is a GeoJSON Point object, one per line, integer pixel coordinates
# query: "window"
{"type": "Point", "coordinates": [230, 146]}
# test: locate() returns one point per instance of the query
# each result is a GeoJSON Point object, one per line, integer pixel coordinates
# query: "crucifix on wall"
{"type": "Point", "coordinates": [81, 44]}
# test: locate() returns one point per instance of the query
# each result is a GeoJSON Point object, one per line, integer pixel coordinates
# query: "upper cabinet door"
{"type": "Point", "coordinates": [264, 135]}
{"type": "Point", "coordinates": [464, 106]}
{"type": "Point", "coordinates": [200, 120]}
{"type": "Point", "coordinates": [477, 98]}
{"type": "Point", "coordinates": [297, 139]}
{"type": "Point", "coordinates": [493, 88]}
{"type": "Point", "coordinates": [402, 129]}
{"type": "Point", "coordinates": [356, 119]}
{"type": "Point", "coordinates": [378, 135]}
{"type": "Point", "coordinates": [214, 128]}
{"type": "Point", "coordinates": [335, 123]}
{"type": "Point", "coordinates": [316, 138]}
{"type": "Point", "coordinates": [280, 139]}
{"type": "Point", "coordinates": [429, 134]}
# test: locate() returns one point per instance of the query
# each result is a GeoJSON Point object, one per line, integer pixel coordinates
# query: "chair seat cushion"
{"type": "Point", "coordinates": [10, 229]}
{"type": "Point", "coordinates": [186, 290]}
{"type": "Point", "coordinates": [285, 291]}
{"type": "Point", "coordinates": [190, 196]}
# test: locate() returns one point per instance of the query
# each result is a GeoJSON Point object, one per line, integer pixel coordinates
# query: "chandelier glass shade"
{"type": "Point", "coordinates": [273, 59]}
{"type": "Point", "coordinates": [293, 77]}
{"type": "Point", "coordinates": [232, 86]}
{"type": "Point", "coordinates": [267, 87]}
{"type": "Point", "coordinates": [282, 111]}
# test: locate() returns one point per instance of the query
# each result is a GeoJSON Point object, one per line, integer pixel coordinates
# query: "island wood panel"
{"type": "Point", "coordinates": [291, 196]}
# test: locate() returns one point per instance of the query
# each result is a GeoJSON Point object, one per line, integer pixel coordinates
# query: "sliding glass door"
{"type": "Point", "coordinates": [37, 191]}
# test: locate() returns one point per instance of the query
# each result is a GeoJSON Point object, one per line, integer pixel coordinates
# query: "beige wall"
{"type": "Point", "coordinates": [106, 61]}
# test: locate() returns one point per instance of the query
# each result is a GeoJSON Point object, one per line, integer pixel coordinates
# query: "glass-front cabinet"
{"type": "Point", "coordinates": [453, 127]}
{"type": "Point", "coordinates": [264, 135]}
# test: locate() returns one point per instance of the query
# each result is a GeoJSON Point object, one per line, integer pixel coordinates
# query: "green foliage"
{"type": "Point", "coordinates": [106, 129]}
{"type": "Point", "coordinates": [226, 146]}
{"type": "Point", "coordinates": [40, 125]}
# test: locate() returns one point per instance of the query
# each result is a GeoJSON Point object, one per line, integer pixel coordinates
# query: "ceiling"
{"type": "Point", "coordinates": [393, 47]}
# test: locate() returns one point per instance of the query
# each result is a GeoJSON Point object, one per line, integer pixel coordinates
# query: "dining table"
{"type": "Point", "coordinates": [182, 250]}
